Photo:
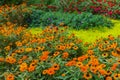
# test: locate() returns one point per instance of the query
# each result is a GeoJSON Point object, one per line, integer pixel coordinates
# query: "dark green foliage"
{"type": "Point", "coordinates": [76, 21]}
{"type": "Point", "coordinates": [2, 2]}
{"type": "Point", "coordinates": [34, 18]}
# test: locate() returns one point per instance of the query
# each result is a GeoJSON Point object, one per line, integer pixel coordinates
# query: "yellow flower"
{"type": "Point", "coordinates": [18, 43]}
{"type": "Point", "coordinates": [28, 49]}
{"type": "Point", "coordinates": [44, 72]}
{"type": "Point", "coordinates": [7, 48]}
{"type": "Point", "coordinates": [115, 76]}
{"type": "Point", "coordinates": [79, 64]}
{"type": "Point", "coordinates": [75, 47]}
{"type": "Point", "coordinates": [105, 54]}
{"type": "Point", "coordinates": [87, 76]}
{"type": "Point", "coordinates": [23, 67]}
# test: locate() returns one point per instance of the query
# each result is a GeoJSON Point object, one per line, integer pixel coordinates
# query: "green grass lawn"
{"type": "Point", "coordinates": [91, 35]}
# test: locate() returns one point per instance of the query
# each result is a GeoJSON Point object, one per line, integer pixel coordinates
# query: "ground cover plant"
{"type": "Point", "coordinates": [91, 34]}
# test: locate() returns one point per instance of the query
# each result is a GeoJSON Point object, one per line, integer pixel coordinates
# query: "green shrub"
{"type": "Point", "coordinates": [76, 21]}
{"type": "Point", "coordinates": [34, 18]}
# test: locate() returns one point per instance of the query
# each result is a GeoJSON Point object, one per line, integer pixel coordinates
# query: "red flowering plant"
{"type": "Point", "coordinates": [105, 7]}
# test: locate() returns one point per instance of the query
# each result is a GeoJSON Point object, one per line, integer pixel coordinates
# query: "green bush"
{"type": "Point", "coordinates": [34, 18]}
{"type": "Point", "coordinates": [76, 21]}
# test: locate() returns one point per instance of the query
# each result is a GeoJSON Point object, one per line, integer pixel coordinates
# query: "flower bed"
{"type": "Point", "coordinates": [53, 54]}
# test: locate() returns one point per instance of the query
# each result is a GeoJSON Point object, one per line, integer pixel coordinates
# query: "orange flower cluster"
{"type": "Point", "coordinates": [32, 65]}
{"type": "Point", "coordinates": [44, 56]}
{"type": "Point", "coordinates": [13, 13]}
{"type": "Point", "coordinates": [23, 53]}
{"type": "Point", "coordinates": [51, 70]}
{"type": "Point", "coordinates": [10, 77]}
{"type": "Point", "coordinates": [2, 59]}
{"type": "Point", "coordinates": [23, 67]}
{"type": "Point", "coordinates": [10, 60]}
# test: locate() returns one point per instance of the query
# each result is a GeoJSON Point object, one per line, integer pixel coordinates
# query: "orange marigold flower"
{"type": "Point", "coordinates": [20, 61]}
{"type": "Point", "coordinates": [8, 23]}
{"type": "Point", "coordinates": [10, 60]}
{"type": "Point", "coordinates": [24, 57]}
{"type": "Point", "coordinates": [18, 43]}
{"type": "Point", "coordinates": [71, 63]}
{"type": "Point", "coordinates": [63, 75]}
{"type": "Point", "coordinates": [10, 77]}
{"type": "Point", "coordinates": [65, 55]}
{"type": "Point", "coordinates": [31, 68]}
{"type": "Point", "coordinates": [79, 64]}
{"type": "Point", "coordinates": [75, 47]}
{"type": "Point", "coordinates": [7, 48]}
{"type": "Point", "coordinates": [56, 66]}
{"type": "Point", "coordinates": [44, 72]}
{"type": "Point", "coordinates": [84, 68]}
{"type": "Point", "coordinates": [37, 49]}
{"type": "Point", "coordinates": [114, 45]}
{"type": "Point", "coordinates": [43, 57]}
{"type": "Point", "coordinates": [74, 59]}
{"type": "Point", "coordinates": [119, 75]}
{"type": "Point", "coordinates": [102, 65]}
{"type": "Point", "coordinates": [61, 24]}
{"type": "Point", "coordinates": [13, 54]}
{"type": "Point", "coordinates": [23, 67]}
{"type": "Point", "coordinates": [62, 47]}
{"type": "Point", "coordinates": [50, 71]}
{"type": "Point", "coordinates": [93, 69]}
{"type": "Point", "coordinates": [56, 53]}
{"type": "Point", "coordinates": [42, 48]}
{"type": "Point", "coordinates": [108, 72]}
{"type": "Point", "coordinates": [21, 50]}
{"type": "Point", "coordinates": [90, 52]}
{"type": "Point", "coordinates": [45, 52]}
{"type": "Point", "coordinates": [118, 61]}
{"type": "Point", "coordinates": [115, 76]}
{"type": "Point", "coordinates": [108, 78]}
{"type": "Point", "coordinates": [2, 59]}
{"type": "Point", "coordinates": [118, 49]}
{"type": "Point", "coordinates": [115, 54]}
{"type": "Point", "coordinates": [114, 67]}
{"type": "Point", "coordinates": [105, 54]}
{"type": "Point", "coordinates": [102, 72]}
{"type": "Point", "coordinates": [82, 58]}
{"type": "Point", "coordinates": [28, 49]}
{"type": "Point", "coordinates": [87, 76]}
{"type": "Point", "coordinates": [110, 37]}
{"type": "Point", "coordinates": [35, 61]}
